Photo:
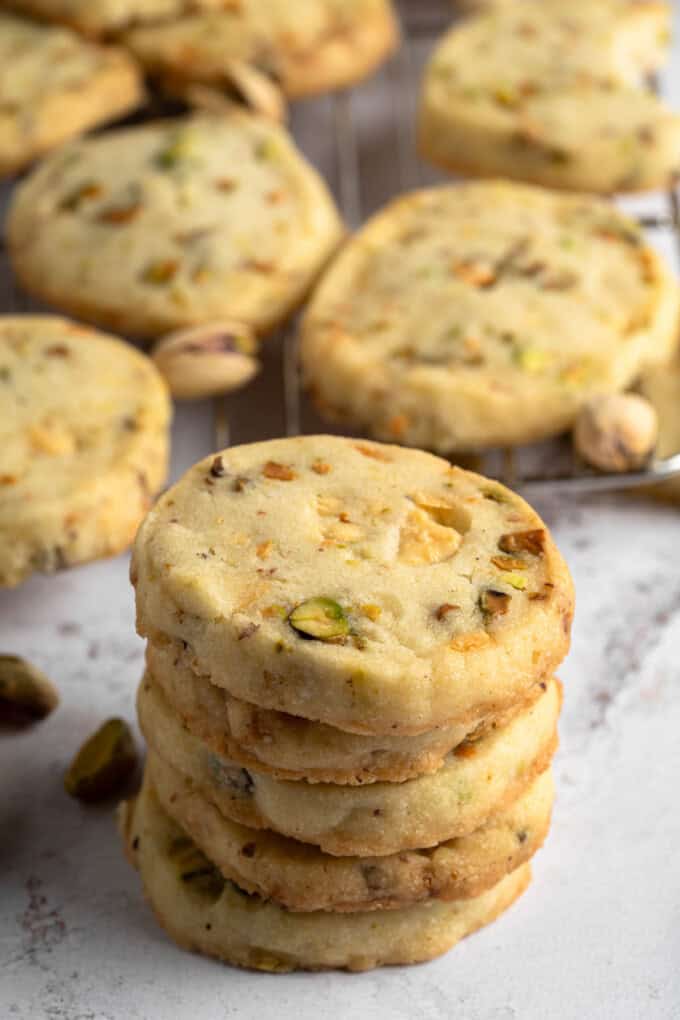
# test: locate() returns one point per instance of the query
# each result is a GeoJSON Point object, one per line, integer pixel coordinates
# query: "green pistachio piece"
{"type": "Point", "coordinates": [531, 359]}
{"type": "Point", "coordinates": [515, 580]}
{"type": "Point", "coordinates": [26, 694]}
{"type": "Point", "coordinates": [103, 764]}
{"type": "Point", "coordinates": [320, 618]}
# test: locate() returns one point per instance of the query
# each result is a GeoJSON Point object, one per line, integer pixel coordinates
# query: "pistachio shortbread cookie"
{"type": "Point", "coordinates": [204, 912]}
{"type": "Point", "coordinates": [373, 588]}
{"type": "Point", "coordinates": [83, 444]}
{"type": "Point", "coordinates": [53, 86]}
{"type": "Point", "coordinates": [661, 386]}
{"type": "Point", "coordinates": [474, 783]}
{"type": "Point", "coordinates": [553, 93]}
{"type": "Point", "coordinates": [106, 17]}
{"type": "Point", "coordinates": [485, 314]}
{"type": "Point", "coordinates": [290, 747]}
{"type": "Point", "coordinates": [175, 223]}
{"type": "Point", "coordinates": [307, 46]}
{"type": "Point", "coordinates": [300, 877]}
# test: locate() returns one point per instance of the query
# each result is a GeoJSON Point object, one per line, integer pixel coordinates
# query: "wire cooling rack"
{"type": "Point", "coordinates": [363, 142]}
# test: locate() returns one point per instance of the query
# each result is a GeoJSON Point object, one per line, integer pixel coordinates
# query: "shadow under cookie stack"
{"type": "Point", "coordinates": [349, 702]}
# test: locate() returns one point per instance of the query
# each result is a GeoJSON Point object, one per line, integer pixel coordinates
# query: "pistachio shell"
{"type": "Point", "coordinates": [207, 360]}
{"type": "Point", "coordinates": [250, 86]}
{"type": "Point", "coordinates": [320, 618]}
{"type": "Point", "coordinates": [26, 694]}
{"type": "Point", "coordinates": [617, 432]}
{"type": "Point", "coordinates": [103, 764]}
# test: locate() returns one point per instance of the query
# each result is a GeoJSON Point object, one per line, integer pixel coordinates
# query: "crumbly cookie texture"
{"type": "Point", "coordinates": [83, 444]}
{"type": "Point", "coordinates": [374, 588]}
{"type": "Point", "coordinates": [290, 747]}
{"type": "Point", "coordinates": [553, 93]}
{"type": "Point", "coordinates": [485, 314]}
{"type": "Point", "coordinates": [475, 782]}
{"type": "Point", "coordinates": [173, 224]}
{"type": "Point", "coordinates": [307, 47]}
{"type": "Point", "coordinates": [661, 387]}
{"type": "Point", "coordinates": [202, 911]}
{"type": "Point", "coordinates": [106, 17]}
{"type": "Point", "coordinates": [53, 86]}
{"type": "Point", "coordinates": [300, 877]}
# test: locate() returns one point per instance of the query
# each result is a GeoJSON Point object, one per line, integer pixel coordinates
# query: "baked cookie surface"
{"type": "Point", "coordinates": [53, 86]}
{"type": "Point", "coordinates": [307, 46]}
{"type": "Point", "coordinates": [83, 444]}
{"type": "Point", "coordinates": [290, 747]}
{"type": "Point", "coordinates": [364, 821]}
{"type": "Point", "coordinates": [203, 912]}
{"type": "Point", "coordinates": [299, 877]}
{"type": "Point", "coordinates": [553, 93]}
{"type": "Point", "coordinates": [105, 17]}
{"type": "Point", "coordinates": [661, 386]}
{"type": "Point", "coordinates": [175, 223]}
{"type": "Point", "coordinates": [485, 314]}
{"type": "Point", "coordinates": [373, 588]}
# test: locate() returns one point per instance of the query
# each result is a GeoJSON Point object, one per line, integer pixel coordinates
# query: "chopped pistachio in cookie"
{"type": "Point", "coordinates": [53, 86]}
{"type": "Point", "coordinates": [455, 598]}
{"type": "Point", "coordinates": [475, 781]}
{"type": "Point", "coordinates": [203, 911]}
{"type": "Point", "coordinates": [307, 47]}
{"type": "Point", "coordinates": [553, 93]}
{"type": "Point", "coordinates": [83, 444]}
{"type": "Point", "coordinates": [175, 223]}
{"type": "Point", "coordinates": [290, 747]}
{"type": "Point", "coordinates": [485, 314]}
{"type": "Point", "coordinates": [300, 877]}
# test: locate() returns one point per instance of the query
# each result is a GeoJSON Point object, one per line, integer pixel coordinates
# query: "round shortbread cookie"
{"type": "Point", "coordinates": [290, 747]}
{"type": "Point", "coordinates": [106, 17]}
{"type": "Point", "coordinates": [485, 314]}
{"type": "Point", "coordinates": [53, 86]}
{"type": "Point", "coordinates": [175, 223]}
{"type": "Point", "coordinates": [553, 93]}
{"type": "Point", "coordinates": [83, 444]}
{"type": "Point", "coordinates": [203, 912]}
{"type": "Point", "coordinates": [365, 821]}
{"type": "Point", "coordinates": [307, 47]}
{"type": "Point", "coordinates": [300, 877]}
{"type": "Point", "coordinates": [435, 595]}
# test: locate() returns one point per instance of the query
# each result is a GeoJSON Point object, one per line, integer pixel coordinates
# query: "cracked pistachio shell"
{"type": "Point", "coordinates": [207, 360]}
{"type": "Point", "coordinates": [617, 432]}
{"type": "Point", "coordinates": [243, 83]}
{"type": "Point", "coordinates": [103, 764]}
{"type": "Point", "coordinates": [26, 694]}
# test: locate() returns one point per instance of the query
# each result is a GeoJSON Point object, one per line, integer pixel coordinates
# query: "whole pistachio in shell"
{"type": "Point", "coordinates": [616, 432]}
{"type": "Point", "coordinates": [207, 360]}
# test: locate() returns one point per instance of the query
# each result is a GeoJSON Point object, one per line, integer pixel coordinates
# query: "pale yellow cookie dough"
{"type": "Point", "coordinates": [175, 223]}
{"type": "Point", "coordinates": [553, 93]}
{"type": "Point", "coordinates": [203, 912]}
{"type": "Point", "coordinates": [54, 86]}
{"type": "Point", "coordinates": [446, 596]}
{"type": "Point", "coordinates": [485, 314]}
{"type": "Point", "coordinates": [83, 444]}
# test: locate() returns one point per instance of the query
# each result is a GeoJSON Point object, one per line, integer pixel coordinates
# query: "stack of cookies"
{"type": "Point", "coordinates": [349, 703]}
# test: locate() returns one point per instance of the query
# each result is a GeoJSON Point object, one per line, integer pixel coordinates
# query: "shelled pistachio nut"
{"type": "Point", "coordinates": [207, 360]}
{"type": "Point", "coordinates": [26, 694]}
{"type": "Point", "coordinates": [103, 764]}
{"type": "Point", "coordinates": [616, 432]}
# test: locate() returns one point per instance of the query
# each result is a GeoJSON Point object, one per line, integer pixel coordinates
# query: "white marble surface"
{"type": "Point", "coordinates": [596, 936]}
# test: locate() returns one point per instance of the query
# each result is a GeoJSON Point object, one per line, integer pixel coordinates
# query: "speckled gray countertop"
{"type": "Point", "coordinates": [596, 936]}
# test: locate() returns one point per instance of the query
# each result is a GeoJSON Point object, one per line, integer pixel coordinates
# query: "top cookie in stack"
{"type": "Point", "coordinates": [372, 588]}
